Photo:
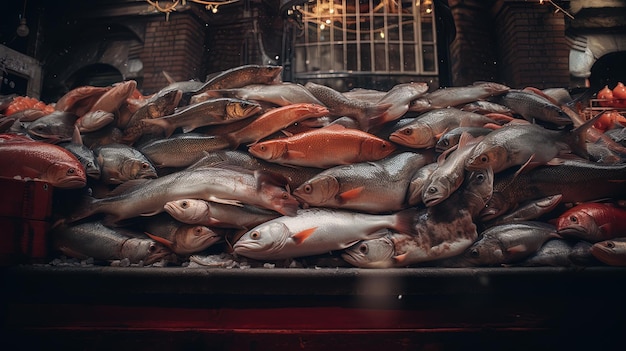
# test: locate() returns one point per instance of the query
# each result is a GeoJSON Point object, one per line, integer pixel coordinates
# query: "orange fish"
{"type": "Point", "coordinates": [325, 147]}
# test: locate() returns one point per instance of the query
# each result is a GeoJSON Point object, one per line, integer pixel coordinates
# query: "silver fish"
{"type": "Point", "coordinates": [55, 127]}
{"type": "Point", "coordinates": [85, 155]}
{"type": "Point", "coordinates": [611, 252]}
{"type": "Point", "coordinates": [533, 107]}
{"type": "Point", "coordinates": [181, 150]}
{"type": "Point", "coordinates": [316, 231]}
{"type": "Point", "coordinates": [146, 197]}
{"type": "Point", "coordinates": [181, 238]}
{"type": "Point", "coordinates": [93, 239]}
{"type": "Point", "coordinates": [120, 163]}
{"type": "Point", "coordinates": [281, 94]}
{"type": "Point", "coordinates": [197, 211]}
{"type": "Point", "coordinates": [509, 243]}
{"type": "Point", "coordinates": [553, 253]}
{"type": "Point", "coordinates": [372, 187]}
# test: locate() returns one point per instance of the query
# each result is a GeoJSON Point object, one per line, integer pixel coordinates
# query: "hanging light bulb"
{"type": "Point", "coordinates": [22, 30]}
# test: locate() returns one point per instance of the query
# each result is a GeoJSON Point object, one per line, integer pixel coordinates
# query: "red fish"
{"type": "Point", "coordinates": [593, 222]}
{"type": "Point", "coordinates": [39, 160]}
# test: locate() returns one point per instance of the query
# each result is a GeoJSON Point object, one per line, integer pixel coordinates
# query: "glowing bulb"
{"type": "Point", "coordinates": [328, 21]}
{"type": "Point", "coordinates": [214, 10]}
{"type": "Point", "coordinates": [322, 26]}
{"type": "Point", "coordinates": [382, 34]}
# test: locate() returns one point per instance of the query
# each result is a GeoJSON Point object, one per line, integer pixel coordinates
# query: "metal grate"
{"type": "Point", "coordinates": [366, 37]}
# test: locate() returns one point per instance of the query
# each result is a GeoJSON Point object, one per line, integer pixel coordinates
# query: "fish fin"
{"type": "Point", "coordinates": [127, 186]}
{"type": "Point", "coordinates": [605, 228]}
{"type": "Point", "coordinates": [467, 139]}
{"type": "Point", "coordinates": [162, 240]}
{"type": "Point", "coordinates": [300, 237]}
{"type": "Point", "coordinates": [579, 144]}
{"type": "Point", "coordinates": [286, 133]}
{"type": "Point", "coordinates": [521, 248]}
{"type": "Point", "coordinates": [295, 154]}
{"type": "Point", "coordinates": [226, 201]}
{"type": "Point", "coordinates": [374, 116]}
{"type": "Point", "coordinates": [149, 214]}
{"type": "Point", "coordinates": [527, 166]}
{"type": "Point", "coordinates": [404, 221]}
{"type": "Point", "coordinates": [400, 259]}
{"type": "Point", "coordinates": [169, 78]}
{"type": "Point", "coordinates": [350, 194]}
{"type": "Point", "coordinates": [499, 117]}
{"type": "Point", "coordinates": [438, 136]}
{"type": "Point", "coordinates": [232, 140]}
{"type": "Point", "coordinates": [162, 123]}
{"type": "Point", "coordinates": [76, 137]}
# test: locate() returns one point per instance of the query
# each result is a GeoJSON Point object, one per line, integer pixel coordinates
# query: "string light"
{"type": "Point", "coordinates": [170, 7]}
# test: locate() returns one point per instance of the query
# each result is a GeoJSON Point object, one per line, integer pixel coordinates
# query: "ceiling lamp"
{"type": "Point", "coordinates": [170, 6]}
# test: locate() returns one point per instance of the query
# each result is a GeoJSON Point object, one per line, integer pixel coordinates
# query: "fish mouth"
{"type": "Point", "coordinates": [72, 183]}
{"type": "Point", "coordinates": [246, 246]}
{"type": "Point", "coordinates": [575, 231]}
{"type": "Point", "coordinates": [95, 174]}
{"type": "Point", "coordinates": [433, 200]}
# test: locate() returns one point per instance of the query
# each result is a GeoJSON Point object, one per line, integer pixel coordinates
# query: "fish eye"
{"type": "Point", "coordinates": [152, 248]}
{"type": "Point", "coordinates": [445, 142]}
{"type": "Point", "coordinates": [432, 190]}
{"type": "Point", "coordinates": [484, 158]}
{"type": "Point", "coordinates": [475, 253]}
{"type": "Point", "coordinates": [261, 147]}
{"type": "Point", "coordinates": [184, 204]}
{"type": "Point", "coordinates": [198, 230]}
{"type": "Point", "coordinates": [71, 171]}
{"type": "Point", "coordinates": [145, 166]}
{"type": "Point", "coordinates": [480, 177]}
{"type": "Point", "coordinates": [573, 219]}
{"type": "Point", "coordinates": [407, 131]}
{"type": "Point", "coordinates": [384, 145]}
{"type": "Point", "coordinates": [255, 235]}
{"type": "Point", "coordinates": [308, 188]}
{"type": "Point", "coordinates": [285, 195]}
{"type": "Point", "coordinates": [363, 249]}
{"type": "Point", "coordinates": [610, 244]}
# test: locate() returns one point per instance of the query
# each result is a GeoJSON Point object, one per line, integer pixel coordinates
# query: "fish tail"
{"type": "Point", "coordinates": [85, 209]}
{"type": "Point", "coordinates": [232, 140]}
{"type": "Point", "coordinates": [579, 134]}
{"type": "Point", "coordinates": [374, 116]}
{"type": "Point", "coordinates": [168, 128]}
{"type": "Point", "coordinates": [404, 221]}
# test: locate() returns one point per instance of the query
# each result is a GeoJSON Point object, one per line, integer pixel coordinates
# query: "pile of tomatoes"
{"type": "Point", "coordinates": [615, 97]}
{"type": "Point", "coordinates": [21, 103]}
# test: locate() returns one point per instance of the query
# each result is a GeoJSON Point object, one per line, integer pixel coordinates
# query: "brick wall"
{"type": "Point", "coordinates": [473, 53]}
{"type": "Point", "coordinates": [533, 49]}
{"type": "Point", "coordinates": [175, 46]}
{"type": "Point", "coordinates": [519, 43]}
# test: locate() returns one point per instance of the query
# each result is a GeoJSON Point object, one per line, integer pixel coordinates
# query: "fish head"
{"type": "Point", "coordinates": [479, 190]}
{"type": "Point", "coordinates": [578, 224]}
{"type": "Point", "coordinates": [315, 110]}
{"type": "Point", "coordinates": [376, 148]}
{"type": "Point", "coordinates": [65, 175]}
{"type": "Point", "coordinates": [418, 182]}
{"type": "Point", "coordinates": [194, 238]}
{"type": "Point", "coordinates": [263, 241]}
{"type": "Point", "coordinates": [146, 250]}
{"type": "Point", "coordinates": [485, 155]}
{"type": "Point", "coordinates": [373, 253]}
{"type": "Point", "coordinates": [239, 109]}
{"type": "Point", "coordinates": [280, 200]}
{"type": "Point", "coordinates": [269, 150]}
{"type": "Point", "coordinates": [187, 210]}
{"type": "Point", "coordinates": [495, 207]}
{"type": "Point", "coordinates": [447, 141]}
{"type": "Point", "coordinates": [610, 252]}
{"type": "Point", "coordinates": [318, 191]}
{"type": "Point", "coordinates": [136, 169]}
{"type": "Point", "coordinates": [415, 136]}
{"type": "Point", "coordinates": [484, 252]}
{"type": "Point", "coordinates": [437, 190]}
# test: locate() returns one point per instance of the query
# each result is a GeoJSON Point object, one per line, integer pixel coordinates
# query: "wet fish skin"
{"type": "Point", "coordinates": [80, 100]}
{"type": "Point", "coordinates": [281, 94]}
{"type": "Point", "coordinates": [44, 161]}
{"type": "Point", "coordinates": [448, 176]}
{"type": "Point", "coordinates": [162, 104]}
{"type": "Point", "coordinates": [528, 211]}
{"type": "Point", "coordinates": [509, 243]}
{"type": "Point", "coordinates": [146, 197]}
{"type": "Point", "coordinates": [242, 76]}
{"type": "Point", "coordinates": [182, 238]}
{"type": "Point", "coordinates": [569, 178]}
{"type": "Point", "coordinates": [120, 163]}
{"type": "Point", "coordinates": [181, 150]}
{"type": "Point", "coordinates": [399, 98]}
{"type": "Point", "coordinates": [456, 96]}
{"type": "Point", "coordinates": [372, 187]}
{"type": "Point", "coordinates": [85, 155]}
{"type": "Point", "coordinates": [316, 231]}
{"type": "Point", "coordinates": [312, 149]}
{"type": "Point", "coordinates": [418, 183]}
{"type": "Point", "coordinates": [372, 253]}
{"type": "Point", "coordinates": [451, 138]}
{"type": "Point", "coordinates": [55, 127]}
{"type": "Point", "coordinates": [339, 105]}
{"type": "Point", "coordinates": [553, 253]}
{"type": "Point", "coordinates": [533, 107]}
{"type": "Point", "coordinates": [517, 144]}
{"type": "Point", "coordinates": [102, 111]}
{"type": "Point", "coordinates": [94, 120]}
{"type": "Point", "coordinates": [197, 211]}
{"type": "Point", "coordinates": [424, 131]}
{"type": "Point", "coordinates": [611, 252]}
{"type": "Point", "coordinates": [592, 222]}
{"type": "Point", "coordinates": [93, 239]}
{"type": "Point", "coordinates": [209, 112]}
{"type": "Point", "coordinates": [275, 120]}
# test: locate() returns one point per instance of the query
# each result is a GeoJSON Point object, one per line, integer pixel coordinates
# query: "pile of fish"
{"type": "Point", "coordinates": [252, 168]}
